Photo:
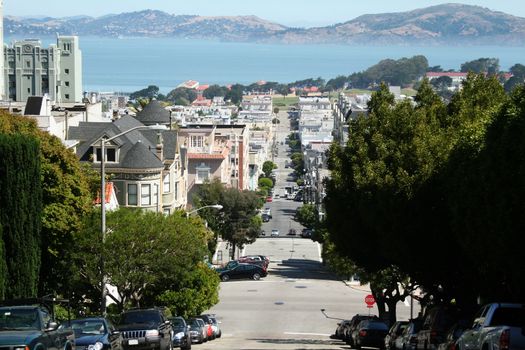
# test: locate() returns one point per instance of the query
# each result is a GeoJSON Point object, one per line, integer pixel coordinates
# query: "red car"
{"type": "Point", "coordinates": [269, 199]}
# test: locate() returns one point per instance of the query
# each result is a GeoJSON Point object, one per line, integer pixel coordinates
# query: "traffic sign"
{"type": "Point", "coordinates": [370, 300]}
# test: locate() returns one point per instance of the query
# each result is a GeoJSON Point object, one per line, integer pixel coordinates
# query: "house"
{"type": "Point", "coordinates": [208, 156]}
{"type": "Point", "coordinates": [147, 167]}
{"type": "Point", "coordinates": [154, 113]}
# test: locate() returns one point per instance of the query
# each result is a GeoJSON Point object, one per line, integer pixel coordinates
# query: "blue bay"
{"type": "Point", "coordinates": [130, 64]}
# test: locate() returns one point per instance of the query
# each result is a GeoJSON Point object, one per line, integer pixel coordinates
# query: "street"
{"type": "Point", "coordinates": [283, 310]}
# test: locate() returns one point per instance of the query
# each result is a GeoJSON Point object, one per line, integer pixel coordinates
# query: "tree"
{"type": "Point", "coordinates": [150, 92]}
{"type": "Point", "coordinates": [265, 182]}
{"type": "Point", "coordinates": [20, 214]}
{"type": "Point", "coordinates": [307, 216]}
{"type": "Point", "coordinates": [182, 95]}
{"type": "Point", "coordinates": [481, 65]}
{"type": "Point", "coordinates": [214, 91]}
{"type": "Point", "coordinates": [268, 167]}
{"type": "Point", "coordinates": [145, 255]}
{"type": "Point", "coordinates": [238, 222]}
{"type": "Point", "coordinates": [68, 189]}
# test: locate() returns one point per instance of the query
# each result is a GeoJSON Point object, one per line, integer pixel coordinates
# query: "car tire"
{"type": "Point", "coordinates": [256, 276]}
{"type": "Point", "coordinates": [225, 278]}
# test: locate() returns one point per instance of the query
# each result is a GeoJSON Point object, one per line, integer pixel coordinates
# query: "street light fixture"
{"type": "Point", "coordinates": [214, 206]}
{"type": "Point", "coordinates": [103, 141]}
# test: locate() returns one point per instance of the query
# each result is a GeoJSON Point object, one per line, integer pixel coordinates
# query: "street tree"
{"type": "Point", "coordinates": [144, 255]}
{"type": "Point", "coordinates": [238, 221]}
{"type": "Point", "coordinates": [268, 167]}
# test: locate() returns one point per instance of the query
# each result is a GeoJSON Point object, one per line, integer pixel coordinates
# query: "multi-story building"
{"type": "Point", "coordinates": [147, 167]}
{"type": "Point", "coordinates": [33, 70]}
{"type": "Point", "coordinates": [316, 120]}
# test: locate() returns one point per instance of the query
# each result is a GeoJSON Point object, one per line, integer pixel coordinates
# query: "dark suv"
{"type": "Point", "coordinates": [145, 329]}
{"type": "Point", "coordinates": [352, 326]}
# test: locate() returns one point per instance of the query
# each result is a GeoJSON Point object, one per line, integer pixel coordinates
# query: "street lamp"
{"type": "Point", "coordinates": [214, 206]}
{"type": "Point", "coordinates": [103, 141]}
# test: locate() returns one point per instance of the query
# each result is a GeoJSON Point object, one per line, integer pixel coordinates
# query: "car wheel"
{"type": "Point", "coordinates": [225, 278]}
{"type": "Point", "coordinates": [256, 276]}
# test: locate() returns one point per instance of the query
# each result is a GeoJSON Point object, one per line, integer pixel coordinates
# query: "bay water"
{"type": "Point", "coordinates": [131, 64]}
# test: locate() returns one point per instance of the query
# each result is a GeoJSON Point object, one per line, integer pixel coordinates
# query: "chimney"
{"type": "Point", "coordinates": [160, 146]}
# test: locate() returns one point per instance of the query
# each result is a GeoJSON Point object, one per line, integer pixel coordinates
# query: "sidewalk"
{"type": "Point", "coordinates": [365, 288]}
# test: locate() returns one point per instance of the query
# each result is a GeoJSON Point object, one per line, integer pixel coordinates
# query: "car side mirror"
{"type": "Point", "coordinates": [51, 326]}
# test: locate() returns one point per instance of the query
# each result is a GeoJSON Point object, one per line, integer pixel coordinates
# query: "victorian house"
{"type": "Point", "coordinates": [147, 167]}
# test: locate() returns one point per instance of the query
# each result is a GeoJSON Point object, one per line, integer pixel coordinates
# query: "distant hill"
{"type": "Point", "coordinates": [452, 24]}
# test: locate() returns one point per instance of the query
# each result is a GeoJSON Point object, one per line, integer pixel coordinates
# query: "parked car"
{"type": "Point", "coordinates": [369, 333]}
{"type": "Point", "coordinates": [339, 331]}
{"type": "Point", "coordinates": [25, 325]}
{"type": "Point", "coordinates": [269, 199]}
{"type": "Point", "coordinates": [254, 259]}
{"type": "Point", "coordinates": [352, 325]}
{"type": "Point", "coordinates": [496, 326]}
{"type": "Point", "coordinates": [136, 323]}
{"type": "Point", "coordinates": [306, 233]}
{"type": "Point", "coordinates": [181, 333]}
{"type": "Point", "coordinates": [212, 321]}
{"type": "Point", "coordinates": [453, 335]}
{"type": "Point", "coordinates": [198, 330]}
{"type": "Point", "coordinates": [243, 271]}
{"type": "Point", "coordinates": [395, 331]}
{"type": "Point", "coordinates": [96, 333]}
{"type": "Point", "coordinates": [292, 232]}
{"type": "Point", "coordinates": [274, 233]}
{"type": "Point", "coordinates": [408, 340]}
{"type": "Point", "coordinates": [436, 323]}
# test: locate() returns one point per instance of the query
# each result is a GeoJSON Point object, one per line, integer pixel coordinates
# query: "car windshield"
{"type": "Point", "coordinates": [147, 317]}
{"type": "Point", "coordinates": [93, 327]}
{"type": "Point", "coordinates": [177, 322]}
{"type": "Point", "coordinates": [19, 319]}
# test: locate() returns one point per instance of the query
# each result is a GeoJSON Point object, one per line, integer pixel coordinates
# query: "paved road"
{"type": "Point", "coordinates": [282, 311]}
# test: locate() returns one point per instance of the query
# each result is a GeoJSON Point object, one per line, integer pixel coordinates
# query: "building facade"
{"type": "Point", "coordinates": [33, 70]}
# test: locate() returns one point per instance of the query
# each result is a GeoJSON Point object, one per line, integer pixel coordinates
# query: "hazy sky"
{"type": "Point", "coordinates": [303, 13]}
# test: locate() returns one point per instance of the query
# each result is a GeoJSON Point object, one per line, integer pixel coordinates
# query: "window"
{"type": "Point", "coordinates": [67, 83]}
{"type": "Point", "coordinates": [67, 96]}
{"type": "Point", "coordinates": [166, 183]}
{"type": "Point", "coordinates": [176, 190]}
{"type": "Point", "coordinates": [66, 71]}
{"type": "Point", "coordinates": [156, 194]}
{"type": "Point", "coordinates": [28, 64]}
{"type": "Point", "coordinates": [111, 154]}
{"type": "Point", "coordinates": [203, 173]}
{"type": "Point", "coordinates": [196, 141]}
{"type": "Point", "coordinates": [132, 194]}
{"type": "Point", "coordinates": [145, 195]}
{"type": "Point", "coordinates": [166, 211]}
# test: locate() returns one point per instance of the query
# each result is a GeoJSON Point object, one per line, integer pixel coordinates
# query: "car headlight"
{"type": "Point", "coordinates": [179, 335]}
{"type": "Point", "coordinates": [152, 333]}
{"type": "Point", "coordinates": [21, 348]}
{"type": "Point", "coordinates": [97, 346]}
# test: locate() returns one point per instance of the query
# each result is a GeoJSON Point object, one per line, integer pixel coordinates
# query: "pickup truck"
{"type": "Point", "coordinates": [32, 327]}
{"type": "Point", "coordinates": [496, 326]}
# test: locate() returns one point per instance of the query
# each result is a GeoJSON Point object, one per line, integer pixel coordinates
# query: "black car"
{"type": "Point", "coordinates": [243, 271]}
{"type": "Point", "coordinates": [143, 329]}
{"type": "Point", "coordinates": [370, 333]}
{"type": "Point", "coordinates": [198, 332]}
{"type": "Point", "coordinates": [95, 333]}
{"type": "Point", "coordinates": [181, 333]}
{"type": "Point", "coordinates": [351, 326]}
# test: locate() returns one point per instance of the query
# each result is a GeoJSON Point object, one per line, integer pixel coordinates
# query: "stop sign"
{"type": "Point", "coordinates": [370, 300]}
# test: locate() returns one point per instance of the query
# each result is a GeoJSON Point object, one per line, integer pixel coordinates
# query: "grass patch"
{"type": "Point", "coordinates": [285, 101]}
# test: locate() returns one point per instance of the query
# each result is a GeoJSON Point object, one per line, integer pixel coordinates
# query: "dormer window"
{"type": "Point", "coordinates": [111, 154]}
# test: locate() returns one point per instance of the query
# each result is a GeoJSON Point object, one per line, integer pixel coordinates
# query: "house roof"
{"type": "Point", "coordinates": [141, 157]}
{"type": "Point", "coordinates": [446, 74]}
{"type": "Point", "coordinates": [131, 155]}
{"type": "Point", "coordinates": [154, 113]}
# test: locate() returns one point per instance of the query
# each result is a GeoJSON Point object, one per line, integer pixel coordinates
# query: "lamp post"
{"type": "Point", "coordinates": [103, 141]}
{"type": "Point", "coordinates": [214, 206]}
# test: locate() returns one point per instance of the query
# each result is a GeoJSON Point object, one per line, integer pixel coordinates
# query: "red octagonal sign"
{"type": "Point", "coordinates": [370, 300]}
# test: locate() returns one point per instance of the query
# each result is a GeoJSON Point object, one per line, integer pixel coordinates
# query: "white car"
{"type": "Point", "coordinates": [275, 232]}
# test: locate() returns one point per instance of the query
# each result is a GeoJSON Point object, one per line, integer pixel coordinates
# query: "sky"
{"type": "Point", "coordinates": [295, 13]}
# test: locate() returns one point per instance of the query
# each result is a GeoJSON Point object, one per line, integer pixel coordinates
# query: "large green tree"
{"type": "Point", "coordinates": [145, 255]}
{"type": "Point", "coordinates": [68, 190]}
{"type": "Point", "coordinates": [238, 221]}
{"type": "Point", "coordinates": [20, 214]}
